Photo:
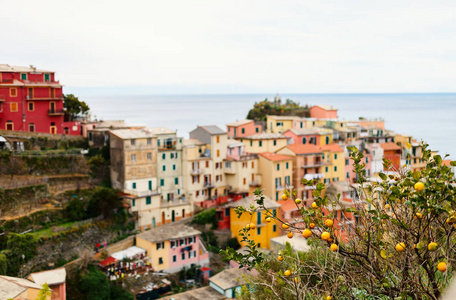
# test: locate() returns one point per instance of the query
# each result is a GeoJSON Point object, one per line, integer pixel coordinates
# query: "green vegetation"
{"type": "Point", "coordinates": [206, 217]}
{"type": "Point", "coordinates": [17, 249]}
{"type": "Point", "coordinates": [289, 108]}
{"type": "Point", "coordinates": [73, 107]}
{"type": "Point", "coordinates": [401, 245]}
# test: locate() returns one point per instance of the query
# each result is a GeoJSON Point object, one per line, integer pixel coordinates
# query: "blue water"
{"type": "Point", "coordinates": [429, 117]}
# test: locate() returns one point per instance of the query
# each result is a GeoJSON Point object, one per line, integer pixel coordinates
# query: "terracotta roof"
{"type": "Point", "coordinates": [239, 123]}
{"type": "Point", "coordinates": [274, 156]}
{"type": "Point", "coordinates": [332, 148]}
{"type": "Point", "coordinates": [288, 205]}
{"type": "Point", "coordinates": [447, 162]}
{"type": "Point", "coordinates": [127, 134]}
{"type": "Point", "coordinates": [325, 107]}
{"type": "Point", "coordinates": [390, 146]}
{"type": "Point", "coordinates": [304, 149]}
{"type": "Point", "coordinates": [304, 131]}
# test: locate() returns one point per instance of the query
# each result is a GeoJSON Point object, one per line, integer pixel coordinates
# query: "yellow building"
{"type": "Point", "coordinates": [414, 161]}
{"type": "Point", "coordinates": [263, 231]}
{"type": "Point", "coordinates": [280, 124]}
{"type": "Point", "coordinates": [19, 289]}
{"type": "Point", "coordinates": [276, 171]}
{"type": "Point", "coordinates": [334, 160]}
{"type": "Point", "coordinates": [264, 142]}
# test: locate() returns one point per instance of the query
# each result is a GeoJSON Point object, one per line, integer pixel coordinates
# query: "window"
{"type": "Point", "coordinates": [275, 143]}
{"type": "Point", "coordinates": [31, 106]}
{"type": "Point", "coordinates": [90, 136]}
{"type": "Point", "coordinates": [256, 129]}
{"type": "Point", "coordinates": [347, 162]}
{"type": "Point", "coordinates": [218, 139]}
{"type": "Point", "coordinates": [174, 167]}
{"type": "Point", "coordinates": [348, 174]}
{"type": "Point", "coordinates": [227, 212]}
{"type": "Point", "coordinates": [287, 180]}
{"type": "Point", "coordinates": [245, 181]}
{"type": "Point", "coordinates": [162, 182]}
{"type": "Point", "coordinates": [260, 143]}
{"type": "Point", "coordinates": [133, 142]}
{"type": "Point", "coordinates": [218, 153]}
{"type": "Point", "coordinates": [164, 156]}
{"type": "Point", "coordinates": [335, 156]}
{"type": "Point", "coordinates": [133, 202]}
{"type": "Point", "coordinates": [335, 168]}
{"type": "Point", "coordinates": [327, 140]}
{"type": "Point", "coordinates": [30, 93]}
{"type": "Point", "coordinates": [148, 200]}
{"type": "Point", "coordinates": [251, 143]}
{"type": "Point", "coordinates": [160, 245]}
{"type": "Point", "coordinates": [150, 185]}
{"type": "Point", "coordinates": [367, 160]}
{"type": "Point", "coordinates": [326, 169]}
{"type": "Point", "coordinates": [253, 164]}
{"type": "Point", "coordinates": [207, 164]}
{"type": "Point", "coordinates": [133, 157]}
{"type": "Point", "coordinates": [258, 217]}
{"type": "Point", "coordinates": [13, 107]}
{"type": "Point", "coordinates": [274, 228]}
{"type": "Point", "coordinates": [163, 168]}
{"type": "Point", "coordinates": [176, 180]}
{"type": "Point", "coordinates": [304, 140]}
{"type": "Point", "coordinates": [277, 196]}
{"type": "Point", "coordinates": [286, 166]}
{"type": "Point", "coordinates": [31, 127]}
{"type": "Point", "coordinates": [13, 92]}
{"type": "Point", "coordinates": [172, 155]}
{"type": "Point", "coordinates": [174, 258]}
{"type": "Point", "coordinates": [133, 185]}
{"type": "Point", "coordinates": [149, 156]}
{"type": "Point", "coordinates": [243, 130]}
{"type": "Point", "coordinates": [160, 260]}
{"type": "Point", "coordinates": [149, 141]}
{"type": "Point", "coordinates": [158, 142]}
{"type": "Point", "coordinates": [258, 230]}
{"type": "Point", "coordinates": [183, 255]}
{"type": "Point", "coordinates": [278, 167]}
{"type": "Point", "coordinates": [46, 77]}
{"type": "Point", "coordinates": [24, 76]}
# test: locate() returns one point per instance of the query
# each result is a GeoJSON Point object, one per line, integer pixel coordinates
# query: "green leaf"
{"type": "Point", "coordinates": [383, 254]}
{"type": "Point", "coordinates": [350, 209]}
{"type": "Point", "coordinates": [453, 163]}
{"type": "Point", "coordinates": [382, 176]}
{"type": "Point", "coordinates": [438, 159]}
{"type": "Point", "coordinates": [416, 175]}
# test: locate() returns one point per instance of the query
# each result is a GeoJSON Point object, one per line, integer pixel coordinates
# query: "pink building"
{"type": "Point", "coordinates": [242, 128]}
{"type": "Point", "coordinates": [323, 112]}
{"type": "Point", "coordinates": [349, 169]}
{"type": "Point", "coordinates": [304, 136]}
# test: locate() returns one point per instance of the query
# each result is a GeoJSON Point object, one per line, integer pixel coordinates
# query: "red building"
{"type": "Point", "coordinates": [392, 152]}
{"type": "Point", "coordinates": [32, 100]}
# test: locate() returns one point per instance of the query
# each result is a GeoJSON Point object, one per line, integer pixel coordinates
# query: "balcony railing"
{"type": "Point", "coordinates": [174, 202]}
{"type": "Point", "coordinates": [255, 183]}
{"type": "Point", "coordinates": [314, 176]}
{"type": "Point", "coordinates": [281, 188]}
{"type": "Point", "coordinates": [196, 171]}
{"type": "Point", "coordinates": [56, 112]}
{"type": "Point", "coordinates": [2, 98]}
{"type": "Point", "coordinates": [315, 164]}
{"type": "Point", "coordinates": [56, 98]}
{"type": "Point", "coordinates": [209, 184]}
{"type": "Point", "coordinates": [143, 193]}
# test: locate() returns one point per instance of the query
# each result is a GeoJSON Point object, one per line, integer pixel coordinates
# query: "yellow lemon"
{"type": "Point", "coordinates": [247, 227]}
{"type": "Point", "coordinates": [296, 279]}
{"type": "Point", "coordinates": [442, 266]}
{"type": "Point", "coordinates": [387, 206]}
{"type": "Point", "coordinates": [280, 257]}
{"type": "Point", "coordinates": [312, 225]}
{"type": "Point", "coordinates": [285, 226]}
{"type": "Point", "coordinates": [252, 226]}
{"type": "Point", "coordinates": [268, 219]}
{"type": "Point", "coordinates": [314, 205]}
{"type": "Point", "coordinates": [433, 246]}
{"type": "Point", "coordinates": [284, 197]}
{"type": "Point", "coordinates": [328, 298]}
{"type": "Point", "coordinates": [400, 247]}
{"type": "Point", "coordinates": [329, 223]}
{"type": "Point", "coordinates": [418, 216]}
{"type": "Point", "coordinates": [298, 201]}
{"type": "Point", "coordinates": [290, 235]}
{"type": "Point", "coordinates": [334, 247]}
{"type": "Point", "coordinates": [419, 186]}
{"type": "Point", "coordinates": [287, 273]}
{"type": "Point", "coordinates": [325, 235]}
{"type": "Point", "coordinates": [307, 233]}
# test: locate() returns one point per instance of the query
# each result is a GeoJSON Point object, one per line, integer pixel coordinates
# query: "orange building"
{"type": "Point", "coordinates": [392, 152]}
{"type": "Point", "coordinates": [323, 112]}
{"type": "Point", "coordinates": [242, 128]}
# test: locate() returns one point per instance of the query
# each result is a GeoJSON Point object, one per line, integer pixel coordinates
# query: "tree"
{"type": "Point", "coordinates": [73, 106]}
{"type": "Point", "coordinates": [401, 246]}
{"type": "Point", "coordinates": [44, 293]}
{"type": "Point", "coordinates": [103, 201]}
{"type": "Point", "coordinates": [3, 264]}
{"type": "Point", "coordinates": [94, 285]}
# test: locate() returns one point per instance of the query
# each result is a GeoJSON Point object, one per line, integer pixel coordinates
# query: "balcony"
{"type": "Point", "coordinates": [255, 183]}
{"type": "Point", "coordinates": [314, 176]}
{"type": "Point", "coordinates": [314, 164]}
{"type": "Point", "coordinates": [56, 112]}
{"type": "Point", "coordinates": [174, 202]}
{"type": "Point", "coordinates": [281, 188]}
{"type": "Point", "coordinates": [209, 184]}
{"type": "Point", "coordinates": [31, 98]}
{"type": "Point", "coordinates": [143, 193]}
{"type": "Point", "coordinates": [229, 170]}
{"type": "Point", "coordinates": [2, 98]}
{"type": "Point", "coordinates": [196, 172]}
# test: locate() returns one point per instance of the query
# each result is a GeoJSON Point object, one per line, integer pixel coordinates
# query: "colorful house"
{"type": "Point", "coordinates": [351, 176]}
{"type": "Point", "coordinates": [229, 282]}
{"type": "Point", "coordinates": [393, 153]}
{"type": "Point", "coordinates": [334, 159]}
{"type": "Point", "coordinates": [263, 231]}
{"type": "Point", "coordinates": [308, 163]}
{"type": "Point", "coordinates": [55, 279]}
{"type": "Point", "coordinates": [323, 112]}
{"type": "Point", "coordinates": [173, 246]}
{"type": "Point", "coordinates": [280, 124]}
{"type": "Point", "coordinates": [242, 128]}
{"type": "Point", "coordinates": [265, 142]}
{"type": "Point", "coordinates": [32, 100]}
{"type": "Point", "coordinates": [315, 136]}
{"type": "Point", "coordinates": [276, 171]}
{"type": "Point", "coordinates": [19, 289]}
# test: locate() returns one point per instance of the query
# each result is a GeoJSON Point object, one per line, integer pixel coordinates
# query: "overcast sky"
{"type": "Point", "coordinates": [193, 46]}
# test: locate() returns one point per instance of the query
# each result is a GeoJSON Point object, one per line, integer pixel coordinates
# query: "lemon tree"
{"type": "Point", "coordinates": [401, 242]}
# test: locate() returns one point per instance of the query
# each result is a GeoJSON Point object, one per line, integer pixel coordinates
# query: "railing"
{"type": "Point", "coordinates": [44, 98]}
{"type": "Point", "coordinates": [174, 202]}
{"type": "Point", "coordinates": [255, 183]}
{"type": "Point", "coordinates": [196, 172]}
{"type": "Point", "coordinates": [55, 112]}
{"type": "Point", "coordinates": [209, 184]}
{"type": "Point", "coordinates": [314, 164]}
{"type": "Point", "coordinates": [143, 193]}
{"type": "Point", "coordinates": [314, 176]}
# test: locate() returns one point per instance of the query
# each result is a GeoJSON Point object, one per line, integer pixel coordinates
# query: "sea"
{"type": "Point", "coordinates": [427, 117]}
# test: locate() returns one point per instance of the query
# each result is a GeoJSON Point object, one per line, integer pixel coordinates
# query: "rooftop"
{"type": "Point", "coordinates": [304, 149]}
{"type": "Point", "coordinates": [168, 232]}
{"type": "Point", "coordinates": [10, 287]}
{"type": "Point", "coordinates": [51, 277]}
{"type": "Point", "coordinates": [247, 201]}
{"type": "Point", "coordinates": [285, 118]}
{"type": "Point", "coordinates": [288, 205]}
{"type": "Point", "coordinates": [325, 107]}
{"type": "Point", "coordinates": [233, 143]}
{"type": "Point", "coordinates": [390, 146]}
{"type": "Point", "coordinates": [204, 293]}
{"type": "Point", "coordinates": [229, 278]}
{"type": "Point", "coordinates": [192, 142]}
{"type": "Point", "coordinates": [265, 136]}
{"type": "Point", "coordinates": [298, 242]}
{"type": "Point", "coordinates": [332, 148]}
{"type": "Point", "coordinates": [132, 133]}
{"type": "Point", "coordinates": [213, 129]}
{"type": "Point", "coordinates": [304, 131]}
{"type": "Point", "coordinates": [239, 123]}
{"type": "Point", "coordinates": [160, 130]}
{"type": "Point", "coordinates": [8, 68]}
{"type": "Point", "coordinates": [274, 156]}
